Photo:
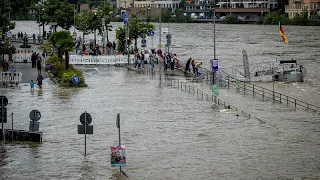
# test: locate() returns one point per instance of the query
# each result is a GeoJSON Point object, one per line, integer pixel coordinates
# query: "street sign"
{"type": "Point", "coordinates": [85, 117]}
{"type": "Point", "coordinates": [169, 42]}
{"type": "Point", "coordinates": [143, 41]}
{"type": "Point", "coordinates": [35, 115]}
{"type": "Point", "coordinates": [89, 129]}
{"type": "Point", "coordinates": [214, 65]}
{"type": "Point", "coordinates": [125, 22]}
{"type": "Point", "coordinates": [160, 46]}
{"type": "Point", "coordinates": [126, 15]}
{"type": "Point", "coordinates": [34, 126]}
{"type": "Point", "coordinates": [3, 101]}
{"type": "Point", "coordinates": [143, 45]}
{"type": "Point", "coordinates": [215, 90]}
{"type": "Point", "coordinates": [3, 115]}
{"type": "Point", "coordinates": [75, 79]}
{"type": "Point", "coordinates": [143, 35]}
{"type": "Point", "coordinates": [168, 36]}
{"type": "Point", "coordinates": [152, 33]}
{"type": "Point", "coordinates": [118, 121]}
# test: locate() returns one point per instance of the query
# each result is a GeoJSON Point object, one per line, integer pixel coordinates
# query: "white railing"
{"type": "Point", "coordinates": [100, 60]}
{"type": "Point", "coordinates": [19, 58]}
{"type": "Point", "coordinates": [11, 77]}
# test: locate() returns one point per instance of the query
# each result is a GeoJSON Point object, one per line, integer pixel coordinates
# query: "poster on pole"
{"type": "Point", "coordinates": [118, 156]}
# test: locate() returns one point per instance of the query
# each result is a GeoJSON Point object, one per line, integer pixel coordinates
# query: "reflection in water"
{"type": "Point", "coordinates": [87, 169]}
{"type": "Point", "coordinates": [40, 92]}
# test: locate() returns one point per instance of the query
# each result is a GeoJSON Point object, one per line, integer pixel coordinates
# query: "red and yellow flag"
{"type": "Point", "coordinates": [284, 37]}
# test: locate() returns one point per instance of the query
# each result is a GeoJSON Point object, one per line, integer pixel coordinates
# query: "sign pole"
{"type": "Point", "coordinates": [152, 42]}
{"type": "Point", "coordinates": [34, 112]}
{"type": "Point", "coordinates": [118, 125]}
{"type": "Point", "coordinates": [2, 118]}
{"type": "Point", "coordinates": [85, 133]}
{"type": "Point", "coordinates": [214, 79]}
{"type": "Point", "coordinates": [11, 127]}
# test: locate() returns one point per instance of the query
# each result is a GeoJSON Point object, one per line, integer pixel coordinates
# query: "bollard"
{"type": "Point", "coordinates": [280, 98]}
{"type": "Point", "coordinates": [253, 90]}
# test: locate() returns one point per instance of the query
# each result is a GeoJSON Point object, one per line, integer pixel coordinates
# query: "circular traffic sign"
{"type": "Point", "coordinates": [152, 33]}
{"type": "Point", "coordinates": [168, 36]}
{"type": "Point", "coordinates": [75, 79]}
{"type": "Point", "coordinates": [169, 42]}
{"type": "Point", "coordinates": [85, 117]}
{"type": "Point", "coordinates": [143, 41]}
{"type": "Point", "coordinates": [3, 101]}
{"type": "Point", "coordinates": [35, 115]}
{"type": "Point", "coordinates": [143, 35]}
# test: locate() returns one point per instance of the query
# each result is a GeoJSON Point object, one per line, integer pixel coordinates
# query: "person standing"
{"type": "Point", "coordinates": [33, 60]}
{"type": "Point", "coordinates": [39, 64]}
{"type": "Point", "coordinates": [39, 80]}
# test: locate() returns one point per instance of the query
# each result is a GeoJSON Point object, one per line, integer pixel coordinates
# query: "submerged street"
{"type": "Point", "coordinates": [168, 134]}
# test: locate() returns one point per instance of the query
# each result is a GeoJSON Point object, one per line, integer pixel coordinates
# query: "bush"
{"type": "Point", "coordinates": [66, 79]}
{"type": "Point", "coordinates": [63, 75]}
{"type": "Point", "coordinates": [231, 19]}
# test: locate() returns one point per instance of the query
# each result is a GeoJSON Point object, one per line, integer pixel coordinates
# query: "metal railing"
{"type": "Point", "coordinates": [184, 87]}
{"type": "Point", "coordinates": [258, 90]}
{"type": "Point", "coordinates": [269, 94]}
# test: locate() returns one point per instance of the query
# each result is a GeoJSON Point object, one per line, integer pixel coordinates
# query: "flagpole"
{"type": "Point", "coordinates": [280, 42]}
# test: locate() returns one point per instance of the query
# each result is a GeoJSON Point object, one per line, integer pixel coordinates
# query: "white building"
{"type": "Point", "coordinates": [172, 4]}
{"type": "Point", "coordinates": [270, 4]}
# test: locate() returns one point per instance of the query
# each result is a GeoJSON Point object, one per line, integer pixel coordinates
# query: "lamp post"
{"type": "Point", "coordinates": [214, 79]}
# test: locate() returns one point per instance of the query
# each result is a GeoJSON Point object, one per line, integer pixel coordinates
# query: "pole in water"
{"type": "Point", "coordinates": [11, 127]}
{"type": "Point", "coordinates": [85, 133]}
{"type": "Point", "coordinates": [118, 125]}
{"type": "Point", "coordinates": [2, 119]}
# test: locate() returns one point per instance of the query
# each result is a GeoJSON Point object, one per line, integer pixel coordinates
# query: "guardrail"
{"type": "Point", "coordinates": [258, 90]}
{"type": "Point", "coordinates": [183, 86]}
{"type": "Point", "coordinates": [10, 78]}
{"type": "Point", "coordinates": [99, 60]}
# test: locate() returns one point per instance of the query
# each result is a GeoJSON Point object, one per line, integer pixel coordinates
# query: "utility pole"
{"type": "Point", "coordinates": [214, 79]}
{"type": "Point", "coordinates": [160, 24]}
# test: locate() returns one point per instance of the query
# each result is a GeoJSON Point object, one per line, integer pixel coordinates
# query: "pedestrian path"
{"type": "Point", "coordinates": [303, 124]}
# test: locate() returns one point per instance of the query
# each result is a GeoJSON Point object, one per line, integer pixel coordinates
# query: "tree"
{"type": "Point", "coordinates": [4, 14]}
{"type": "Point", "coordinates": [82, 22]}
{"type": "Point", "coordinates": [63, 42]}
{"type": "Point", "coordinates": [60, 12]}
{"type": "Point", "coordinates": [137, 27]}
{"type": "Point", "coordinates": [107, 12]}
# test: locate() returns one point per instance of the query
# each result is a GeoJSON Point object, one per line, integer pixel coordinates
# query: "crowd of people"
{"type": "Point", "coordinates": [167, 60]}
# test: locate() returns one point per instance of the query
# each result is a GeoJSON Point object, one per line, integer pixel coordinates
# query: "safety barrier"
{"type": "Point", "coordinates": [11, 77]}
{"type": "Point", "coordinates": [99, 60]}
{"type": "Point", "coordinates": [21, 57]}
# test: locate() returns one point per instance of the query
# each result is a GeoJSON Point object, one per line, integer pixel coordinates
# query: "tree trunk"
{"type": "Point", "coordinates": [135, 43]}
{"type": "Point", "coordinates": [67, 59]}
{"type": "Point", "coordinates": [60, 55]}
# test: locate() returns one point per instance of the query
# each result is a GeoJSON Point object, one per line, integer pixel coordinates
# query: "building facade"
{"type": "Point", "coordinates": [298, 6]}
{"type": "Point", "coordinates": [269, 4]}
{"type": "Point", "coordinates": [172, 4]}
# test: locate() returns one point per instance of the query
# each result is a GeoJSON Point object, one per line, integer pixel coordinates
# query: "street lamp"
{"type": "Point", "coordinates": [214, 78]}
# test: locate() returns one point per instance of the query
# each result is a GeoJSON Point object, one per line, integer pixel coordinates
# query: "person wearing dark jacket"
{"type": "Point", "coordinates": [188, 65]}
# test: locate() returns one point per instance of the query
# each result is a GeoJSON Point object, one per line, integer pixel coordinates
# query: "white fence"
{"type": "Point", "coordinates": [19, 58]}
{"type": "Point", "coordinates": [100, 60]}
{"type": "Point", "coordinates": [11, 77]}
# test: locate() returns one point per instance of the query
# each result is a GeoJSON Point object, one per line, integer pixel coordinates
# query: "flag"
{"type": "Point", "coordinates": [284, 37]}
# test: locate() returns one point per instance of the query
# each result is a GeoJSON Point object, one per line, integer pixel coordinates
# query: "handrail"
{"type": "Point", "coordinates": [266, 93]}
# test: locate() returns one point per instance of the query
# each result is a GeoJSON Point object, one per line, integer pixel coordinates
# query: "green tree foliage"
{"type": "Point", "coordinates": [137, 27]}
{"type": "Point", "coordinates": [4, 14]}
{"type": "Point", "coordinates": [231, 19]}
{"type": "Point", "coordinates": [63, 42]}
{"type": "Point", "coordinates": [275, 18]}
{"type": "Point", "coordinates": [121, 39]}
{"type": "Point", "coordinates": [83, 21]}
{"type": "Point", "coordinates": [60, 12]}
